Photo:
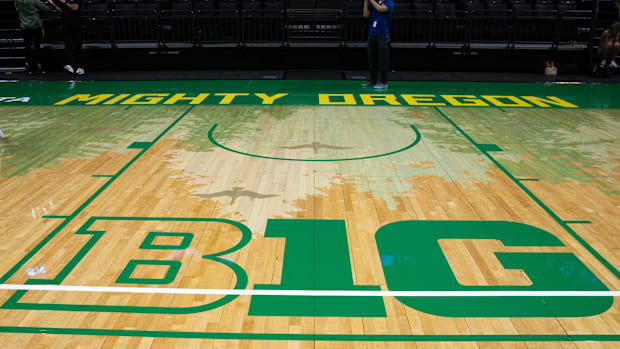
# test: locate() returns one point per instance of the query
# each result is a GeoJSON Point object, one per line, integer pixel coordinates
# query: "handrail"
{"type": "Point", "coordinates": [352, 26]}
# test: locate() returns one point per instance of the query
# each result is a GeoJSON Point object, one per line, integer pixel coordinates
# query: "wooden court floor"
{"type": "Point", "coordinates": [296, 214]}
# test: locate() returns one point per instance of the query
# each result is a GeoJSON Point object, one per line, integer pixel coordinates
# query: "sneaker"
{"type": "Point", "coordinates": [612, 65]}
{"type": "Point", "coordinates": [381, 86]}
{"type": "Point", "coordinates": [603, 63]}
{"type": "Point", "coordinates": [79, 71]}
{"type": "Point", "coordinates": [69, 68]}
{"type": "Point", "coordinates": [368, 84]}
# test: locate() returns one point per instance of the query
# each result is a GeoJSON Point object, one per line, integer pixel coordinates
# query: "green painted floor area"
{"type": "Point", "coordinates": [306, 92]}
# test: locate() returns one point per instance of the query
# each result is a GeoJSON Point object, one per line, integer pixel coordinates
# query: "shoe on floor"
{"type": "Point", "coordinates": [368, 84]}
{"type": "Point", "coordinates": [79, 71]}
{"type": "Point", "coordinates": [69, 68]}
{"type": "Point", "coordinates": [612, 65]}
{"type": "Point", "coordinates": [381, 86]}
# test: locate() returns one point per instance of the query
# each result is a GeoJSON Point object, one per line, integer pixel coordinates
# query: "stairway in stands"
{"type": "Point", "coordinates": [11, 40]}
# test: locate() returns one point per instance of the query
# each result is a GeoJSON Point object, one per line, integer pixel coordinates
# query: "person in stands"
{"type": "Point", "coordinates": [610, 46]}
{"type": "Point", "coordinates": [72, 33]}
{"type": "Point", "coordinates": [380, 12]}
{"type": "Point", "coordinates": [32, 28]}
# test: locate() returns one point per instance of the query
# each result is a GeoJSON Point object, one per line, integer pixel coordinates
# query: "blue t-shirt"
{"type": "Point", "coordinates": [380, 21]}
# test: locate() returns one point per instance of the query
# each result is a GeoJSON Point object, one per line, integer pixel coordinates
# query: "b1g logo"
{"type": "Point", "coordinates": [316, 257]}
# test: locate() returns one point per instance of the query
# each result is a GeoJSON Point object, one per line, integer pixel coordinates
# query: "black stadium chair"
{"type": "Point", "coordinates": [497, 5]}
{"type": "Point", "coordinates": [352, 5]}
{"type": "Point", "coordinates": [525, 25]}
{"type": "Point", "coordinates": [205, 5]}
{"type": "Point", "coordinates": [270, 5]}
{"type": "Point", "coordinates": [178, 25]}
{"type": "Point", "coordinates": [544, 7]}
{"type": "Point", "coordinates": [521, 8]}
{"type": "Point", "coordinates": [229, 6]}
{"type": "Point", "coordinates": [446, 9]}
{"type": "Point", "coordinates": [415, 29]}
{"type": "Point", "coordinates": [97, 24]}
{"type": "Point", "coordinates": [450, 26]}
{"type": "Point", "coordinates": [146, 6]}
{"type": "Point", "coordinates": [251, 5]}
{"type": "Point", "coordinates": [491, 27]}
{"type": "Point", "coordinates": [423, 9]}
{"type": "Point", "coordinates": [125, 7]}
{"type": "Point", "coordinates": [564, 6]}
{"type": "Point", "coordinates": [220, 26]}
{"type": "Point", "coordinates": [402, 8]}
{"type": "Point", "coordinates": [470, 5]}
{"type": "Point", "coordinates": [184, 6]}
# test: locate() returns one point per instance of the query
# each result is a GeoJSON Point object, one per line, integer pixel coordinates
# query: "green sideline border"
{"type": "Point", "coordinates": [314, 337]}
{"type": "Point", "coordinates": [145, 146]}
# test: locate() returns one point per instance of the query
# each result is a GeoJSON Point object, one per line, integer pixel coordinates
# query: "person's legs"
{"type": "Point", "coordinates": [37, 37]}
{"type": "Point", "coordinates": [28, 46]}
{"type": "Point", "coordinates": [613, 50]}
{"type": "Point", "coordinates": [67, 34]}
{"type": "Point", "coordinates": [602, 51]}
{"type": "Point", "coordinates": [372, 58]}
{"type": "Point", "coordinates": [383, 58]}
{"type": "Point", "coordinates": [77, 44]}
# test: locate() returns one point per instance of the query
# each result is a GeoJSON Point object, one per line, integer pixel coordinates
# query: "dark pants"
{"type": "Point", "coordinates": [378, 57]}
{"type": "Point", "coordinates": [32, 41]}
{"type": "Point", "coordinates": [72, 32]}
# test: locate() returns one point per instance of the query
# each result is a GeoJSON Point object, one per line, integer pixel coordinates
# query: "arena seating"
{"type": "Point", "coordinates": [456, 24]}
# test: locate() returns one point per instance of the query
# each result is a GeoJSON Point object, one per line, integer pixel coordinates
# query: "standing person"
{"type": "Point", "coordinates": [30, 22]}
{"type": "Point", "coordinates": [72, 33]}
{"type": "Point", "coordinates": [610, 46]}
{"type": "Point", "coordinates": [380, 13]}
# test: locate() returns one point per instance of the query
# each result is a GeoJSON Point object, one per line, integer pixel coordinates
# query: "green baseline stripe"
{"type": "Point", "coordinates": [574, 234]}
{"type": "Point", "coordinates": [316, 337]}
{"type": "Point", "coordinates": [416, 141]}
{"type": "Point", "coordinates": [51, 235]}
{"type": "Point", "coordinates": [578, 222]}
{"type": "Point", "coordinates": [53, 216]}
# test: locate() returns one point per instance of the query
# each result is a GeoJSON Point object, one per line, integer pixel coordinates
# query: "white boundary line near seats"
{"type": "Point", "coordinates": [326, 293]}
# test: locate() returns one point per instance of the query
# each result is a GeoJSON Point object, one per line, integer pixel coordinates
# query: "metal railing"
{"type": "Point", "coordinates": [494, 29]}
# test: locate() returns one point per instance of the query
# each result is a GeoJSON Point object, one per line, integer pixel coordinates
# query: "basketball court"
{"type": "Point", "coordinates": [301, 214]}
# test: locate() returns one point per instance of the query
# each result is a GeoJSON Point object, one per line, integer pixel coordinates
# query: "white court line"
{"type": "Point", "coordinates": [198, 291]}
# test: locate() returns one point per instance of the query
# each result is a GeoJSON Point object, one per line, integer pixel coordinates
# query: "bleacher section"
{"type": "Point", "coordinates": [544, 25]}
{"type": "Point", "coordinates": [11, 39]}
